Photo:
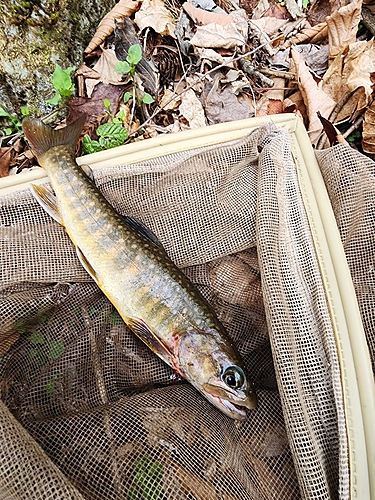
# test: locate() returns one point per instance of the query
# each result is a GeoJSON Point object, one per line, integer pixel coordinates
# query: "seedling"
{"type": "Point", "coordinates": [146, 484]}
{"type": "Point", "coordinates": [62, 82]}
{"type": "Point", "coordinates": [16, 124]}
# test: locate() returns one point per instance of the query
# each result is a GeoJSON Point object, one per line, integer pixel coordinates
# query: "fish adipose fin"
{"type": "Point", "coordinates": [147, 336]}
{"type": "Point", "coordinates": [86, 264]}
{"type": "Point", "coordinates": [47, 200]}
{"type": "Point", "coordinates": [42, 137]}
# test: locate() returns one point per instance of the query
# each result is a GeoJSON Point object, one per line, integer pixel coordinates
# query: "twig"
{"type": "Point", "coordinates": [354, 127]}
{"type": "Point", "coordinates": [278, 74]}
{"type": "Point", "coordinates": [248, 68]}
{"type": "Point", "coordinates": [177, 95]}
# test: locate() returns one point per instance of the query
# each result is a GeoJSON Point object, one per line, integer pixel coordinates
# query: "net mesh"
{"type": "Point", "coordinates": [88, 411]}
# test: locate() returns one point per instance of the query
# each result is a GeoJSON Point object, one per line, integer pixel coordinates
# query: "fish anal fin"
{"type": "Point", "coordinates": [47, 200]}
{"type": "Point", "coordinates": [86, 264]}
{"type": "Point", "coordinates": [42, 137]}
{"type": "Point", "coordinates": [155, 343]}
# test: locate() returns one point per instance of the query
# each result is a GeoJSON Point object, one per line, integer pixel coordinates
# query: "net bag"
{"type": "Point", "coordinates": [87, 411]}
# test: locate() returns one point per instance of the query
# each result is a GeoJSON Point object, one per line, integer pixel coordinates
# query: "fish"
{"type": "Point", "coordinates": [129, 264]}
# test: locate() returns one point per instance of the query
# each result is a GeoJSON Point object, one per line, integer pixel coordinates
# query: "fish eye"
{"type": "Point", "coordinates": [233, 377]}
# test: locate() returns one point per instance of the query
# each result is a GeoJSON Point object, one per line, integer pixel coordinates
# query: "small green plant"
{"type": "Point", "coordinates": [355, 136]}
{"type": "Point", "coordinates": [63, 85]}
{"type": "Point", "coordinates": [109, 135]}
{"type": "Point", "coordinates": [128, 67]}
{"type": "Point", "coordinates": [15, 123]}
{"type": "Point", "coordinates": [51, 384]}
{"type": "Point", "coordinates": [146, 484]}
{"type": "Point", "coordinates": [43, 350]}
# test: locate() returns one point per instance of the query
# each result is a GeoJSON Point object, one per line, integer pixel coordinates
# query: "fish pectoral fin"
{"type": "Point", "coordinates": [155, 343]}
{"type": "Point", "coordinates": [143, 230]}
{"type": "Point", "coordinates": [86, 264]}
{"type": "Point", "coordinates": [48, 201]}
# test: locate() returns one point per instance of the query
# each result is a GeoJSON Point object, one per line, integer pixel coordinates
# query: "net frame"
{"type": "Point", "coordinates": [355, 365]}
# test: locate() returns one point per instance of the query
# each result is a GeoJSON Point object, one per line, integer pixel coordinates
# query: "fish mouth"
{"type": "Point", "coordinates": [236, 410]}
{"type": "Point", "coordinates": [232, 406]}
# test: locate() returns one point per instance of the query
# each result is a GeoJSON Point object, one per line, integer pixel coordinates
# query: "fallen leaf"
{"type": "Point", "coordinates": [219, 37]}
{"type": "Point", "coordinates": [350, 74]}
{"type": "Point", "coordinates": [123, 8]}
{"type": "Point", "coordinates": [314, 97]}
{"type": "Point", "coordinates": [368, 131]}
{"type": "Point", "coordinates": [153, 14]}
{"type": "Point", "coordinates": [312, 35]}
{"type": "Point", "coordinates": [192, 109]}
{"type": "Point", "coordinates": [222, 105]}
{"type": "Point", "coordinates": [166, 103]}
{"type": "Point", "coordinates": [105, 68]}
{"type": "Point", "coordinates": [203, 17]}
{"type": "Point", "coordinates": [6, 156]}
{"type": "Point", "coordinates": [94, 107]}
{"type": "Point", "coordinates": [343, 26]}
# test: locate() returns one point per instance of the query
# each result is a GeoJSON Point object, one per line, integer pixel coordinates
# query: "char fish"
{"type": "Point", "coordinates": [126, 260]}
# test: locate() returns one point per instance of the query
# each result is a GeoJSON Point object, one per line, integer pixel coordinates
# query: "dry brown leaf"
{"type": "Point", "coordinates": [124, 8]}
{"type": "Point", "coordinates": [368, 133]}
{"type": "Point", "coordinates": [6, 156]}
{"type": "Point", "coordinates": [105, 68]}
{"type": "Point", "coordinates": [191, 109]}
{"type": "Point", "coordinates": [153, 14]}
{"type": "Point", "coordinates": [350, 74]}
{"type": "Point", "coordinates": [342, 27]}
{"type": "Point", "coordinates": [314, 34]}
{"type": "Point", "coordinates": [222, 105]}
{"type": "Point", "coordinates": [370, 5]}
{"type": "Point", "coordinates": [202, 17]}
{"type": "Point", "coordinates": [314, 97]}
{"type": "Point", "coordinates": [216, 36]}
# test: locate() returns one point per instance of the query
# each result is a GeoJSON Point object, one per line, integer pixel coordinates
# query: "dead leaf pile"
{"type": "Point", "coordinates": [209, 62]}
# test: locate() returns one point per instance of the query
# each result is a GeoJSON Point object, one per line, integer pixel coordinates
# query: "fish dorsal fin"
{"type": "Point", "coordinates": [42, 137]}
{"type": "Point", "coordinates": [143, 230]}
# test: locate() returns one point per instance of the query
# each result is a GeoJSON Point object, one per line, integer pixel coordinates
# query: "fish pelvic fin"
{"type": "Point", "coordinates": [48, 201]}
{"type": "Point", "coordinates": [42, 137]}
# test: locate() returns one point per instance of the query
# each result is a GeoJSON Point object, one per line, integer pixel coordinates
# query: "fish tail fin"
{"type": "Point", "coordinates": [42, 137]}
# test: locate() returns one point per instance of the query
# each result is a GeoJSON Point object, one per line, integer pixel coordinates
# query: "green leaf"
{"type": "Point", "coordinates": [8, 131]}
{"type": "Point", "coordinates": [50, 386]}
{"type": "Point", "coordinates": [55, 99]}
{"type": "Point", "coordinates": [305, 3]}
{"type": "Point", "coordinates": [122, 67]}
{"type": "Point", "coordinates": [3, 112]}
{"type": "Point", "coordinates": [147, 99]}
{"type": "Point", "coordinates": [134, 54]}
{"type": "Point", "coordinates": [127, 97]}
{"type": "Point", "coordinates": [89, 147]}
{"type": "Point", "coordinates": [107, 104]}
{"type": "Point", "coordinates": [25, 111]}
{"type": "Point", "coordinates": [111, 135]}
{"type": "Point", "coordinates": [55, 349]}
{"type": "Point", "coordinates": [114, 318]}
{"type": "Point", "coordinates": [36, 338]}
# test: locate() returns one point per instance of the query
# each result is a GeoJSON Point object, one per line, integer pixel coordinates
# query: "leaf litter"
{"type": "Point", "coordinates": [205, 62]}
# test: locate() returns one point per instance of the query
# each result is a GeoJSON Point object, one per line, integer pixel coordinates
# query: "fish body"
{"type": "Point", "coordinates": [154, 298]}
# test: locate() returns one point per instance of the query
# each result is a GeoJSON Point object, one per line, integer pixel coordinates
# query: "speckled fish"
{"type": "Point", "coordinates": [154, 298]}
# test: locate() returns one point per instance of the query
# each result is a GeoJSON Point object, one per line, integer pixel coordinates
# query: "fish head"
{"type": "Point", "coordinates": [215, 369]}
